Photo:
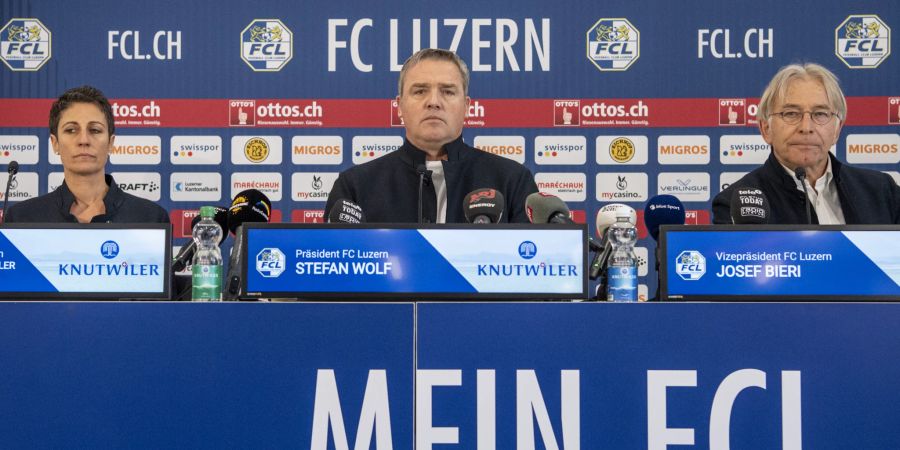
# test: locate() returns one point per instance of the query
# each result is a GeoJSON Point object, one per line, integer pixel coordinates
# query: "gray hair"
{"type": "Point", "coordinates": [439, 54]}
{"type": "Point", "coordinates": [808, 71]}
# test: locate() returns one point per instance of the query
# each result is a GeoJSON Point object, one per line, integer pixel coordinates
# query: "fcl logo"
{"type": "Point", "coordinates": [267, 45]}
{"type": "Point", "coordinates": [24, 44]}
{"type": "Point", "coordinates": [613, 44]}
{"type": "Point", "coordinates": [862, 41]}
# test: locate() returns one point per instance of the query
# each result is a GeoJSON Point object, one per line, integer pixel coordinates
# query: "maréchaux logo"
{"type": "Point", "coordinates": [862, 41]}
{"type": "Point", "coordinates": [270, 262]}
{"type": "Point", "coordinates": [622, 187]}
{"type": "Point", "coordinates": [142, 184]}
{"type": "Point", "coordinates": [510, 147]}
{"type": "Point", "coordinates": [728, 178]}
{"type": "Point", "coordinates": [566, 113]}
{"type": "Point", "coordinates": [570, 187]}
{"type": "Point", "coordinates": [136, 150]}
{"type": "Point", "coordinates": [369, 148]}
{"type": "Point", "coordinates": [683, 149]}
{"type": "Point", "coordinates": [195, 186]}
{"type": "Point", "coordinates": [743, 149]}
{"type": "Point", "coordinates": [25, 44]}
{"type": "Point", "coordinates": [894, 110]}
{"type": "Point", "coordinates": [312, 186]}
{"type": "Point", "coordinates": [263, 150]}
{"type": "Point", "coordinates": [308, 216]}
{"type": "Point", "coordinates": [196, 150]}
{"type": "Point", "coordinates": [560, 150]}
{"type": "Point", "coordinates": [109, 249]}
{"type": "Point", "coordinates": [622, 150]}
{"type": "Point", "coordinates": [732, 112]}
{"type": "Point", "coordinates": [317, 150]}
{"type": "Point", "coordinates": [613, 44]}
{"type": "Point", "coordinates": [690, 265]}
{"type": "Point", "coordinates": [873, 148]}
{"type": "Point", "coordinates": [23, 149]}
{"type": "Point", "coordinates": [267, 45]}
{"type": "Point", "coordinates": [23, 187]}
{"type": "Point", "coordinates": [269, 183]}
{"type": "Point", "coordinates": [686, 186]}
{"type": "Point", "coordinates": [241, 113]}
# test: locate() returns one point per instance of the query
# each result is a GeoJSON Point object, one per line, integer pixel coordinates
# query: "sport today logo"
{"type": "Point", "coordinates": [862, 41]}
{"type": "Point", "coordinates": [25, 44]}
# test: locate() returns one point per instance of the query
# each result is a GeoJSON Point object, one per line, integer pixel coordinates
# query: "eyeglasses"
{"type": "Point", "coordinates": [793, 116]}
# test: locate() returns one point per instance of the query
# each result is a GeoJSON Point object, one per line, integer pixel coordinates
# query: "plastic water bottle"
{"type": "Point", "coordinates": [621, 274]}
{"type": "Point", "coordinates": [206, 270]}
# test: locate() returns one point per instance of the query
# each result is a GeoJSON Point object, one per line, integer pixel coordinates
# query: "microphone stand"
{"type": "Point", "coordinates": [800, 174]}
{"type": "Point", "coordinates": [12, 169]}
{"type": "Point", "coordinates": [423, 173]}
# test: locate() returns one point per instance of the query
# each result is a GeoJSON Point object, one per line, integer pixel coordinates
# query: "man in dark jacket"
{"type": "Point", "coordinates": [800, 116]}
{"type": "Point", "coordinates": [433, 101]}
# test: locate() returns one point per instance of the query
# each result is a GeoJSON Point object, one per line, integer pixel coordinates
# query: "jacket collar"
{"type": "Point", "coordinates": [111, 201]}
{"type": "Point", "coordinates": [415, 156]}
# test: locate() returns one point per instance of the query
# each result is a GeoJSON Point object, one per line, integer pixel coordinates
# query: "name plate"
{"type": "Point", "coordinates": [309, 261]}
{"type": "Point", "coordinates": [90, 261]}
{"type": "Point", "coordinates": [785, 262]}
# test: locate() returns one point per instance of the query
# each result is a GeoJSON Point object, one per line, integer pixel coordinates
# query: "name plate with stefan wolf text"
{"type": "Point", "coordinates": [388, 261]}
{"type": "Point", "coordinates": [84, 261]}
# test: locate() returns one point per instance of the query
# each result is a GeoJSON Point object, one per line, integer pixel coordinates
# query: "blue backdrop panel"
{"type": "Point", "coordinates": [194, 376]}
{"type": "Point", "coordinates": [846, 356]}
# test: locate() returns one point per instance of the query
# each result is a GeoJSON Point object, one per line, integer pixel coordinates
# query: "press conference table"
{"type": "Point", "coordinates": [276, 375]}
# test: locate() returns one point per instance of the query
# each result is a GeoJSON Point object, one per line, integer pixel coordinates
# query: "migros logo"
{"type": "Point", "coordinates": [135, 150]}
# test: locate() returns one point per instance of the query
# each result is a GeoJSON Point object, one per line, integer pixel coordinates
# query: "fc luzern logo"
{"type": "Point", "coordinates": [25, 44]}
{"type": "Point", "coordinates": [613, 44]}
{"type": "Point", "coordinates": [862, 41]}
{"type": "Point", "coordinates": [267, 45]}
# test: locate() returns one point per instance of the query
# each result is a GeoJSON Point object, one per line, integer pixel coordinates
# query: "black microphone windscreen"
{"type": "Point", "coordinates": [663, 210]}
{"type": "Point", "coordinates": [800, 173]}
{"type": "Point", "coordinates": [546, 208]}
{"type": "Point", "coordinates": [249, 206]}
{"type": "Point", "coordinates": [12, 168]}
{"type": "Point", "coordinates": [345, 211]}
{"type": "Point", "coordinates": [483, 206]}
{"type": "Point", "coordinates": [749, 206]}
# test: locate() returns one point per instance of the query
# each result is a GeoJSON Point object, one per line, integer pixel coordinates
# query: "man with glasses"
{"type": "Point", "coordinates": [800, 116]}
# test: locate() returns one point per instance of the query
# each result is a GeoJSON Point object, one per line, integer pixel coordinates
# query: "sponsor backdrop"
{"type": "Point", "coordinates": [611, 102]}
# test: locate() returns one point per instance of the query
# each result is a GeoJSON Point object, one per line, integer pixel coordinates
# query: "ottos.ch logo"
{"type": "Point", "coordinates": [256, 150]}
{"type": "Point", "coordinates": [613, 44]}
{"type": "Point", "coordinates": [25, 44]}
{"type": "Point", "coordinates": [862, 41]}
{"type": "Point", "coordinates": [267, 45]}
{"type": "Point", "coordinates": [621, 150]}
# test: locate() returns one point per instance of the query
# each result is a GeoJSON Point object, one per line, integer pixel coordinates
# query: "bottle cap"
{"type": "Point", "coordinates": [207, 212]}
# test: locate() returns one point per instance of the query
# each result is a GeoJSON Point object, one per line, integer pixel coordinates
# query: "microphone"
{"type": "Point", "coordinates": [663, 210]}
{"type": "Point", "coordinates": [541, 207]}
{"type": "Point", "coordinates": [12, 169]}
{"type": "Point", "coordinates": [606, 216]}
{"type": "Point", "coordinates": [345, 211]}
{"type": "Point", "coordinates": [749, 206]}
{"type": "Point", "coordinates": [187, 250]}
{"type": "Point", "coordinates": [424, 180]}
{"type": "Point", "coordinates": [800, 174]}
{"type": "Point", "coordinates": [247, 207]}
{"type": "Point", "coordinates": [483, 206]}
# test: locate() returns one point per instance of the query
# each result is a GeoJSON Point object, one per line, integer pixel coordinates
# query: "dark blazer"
{"type": "Point", "coordinates": [121, 207]}
{"type": "Point", "coordinates": [387, 188]}
{"type": "Point", "coordinates": [867, 196]}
